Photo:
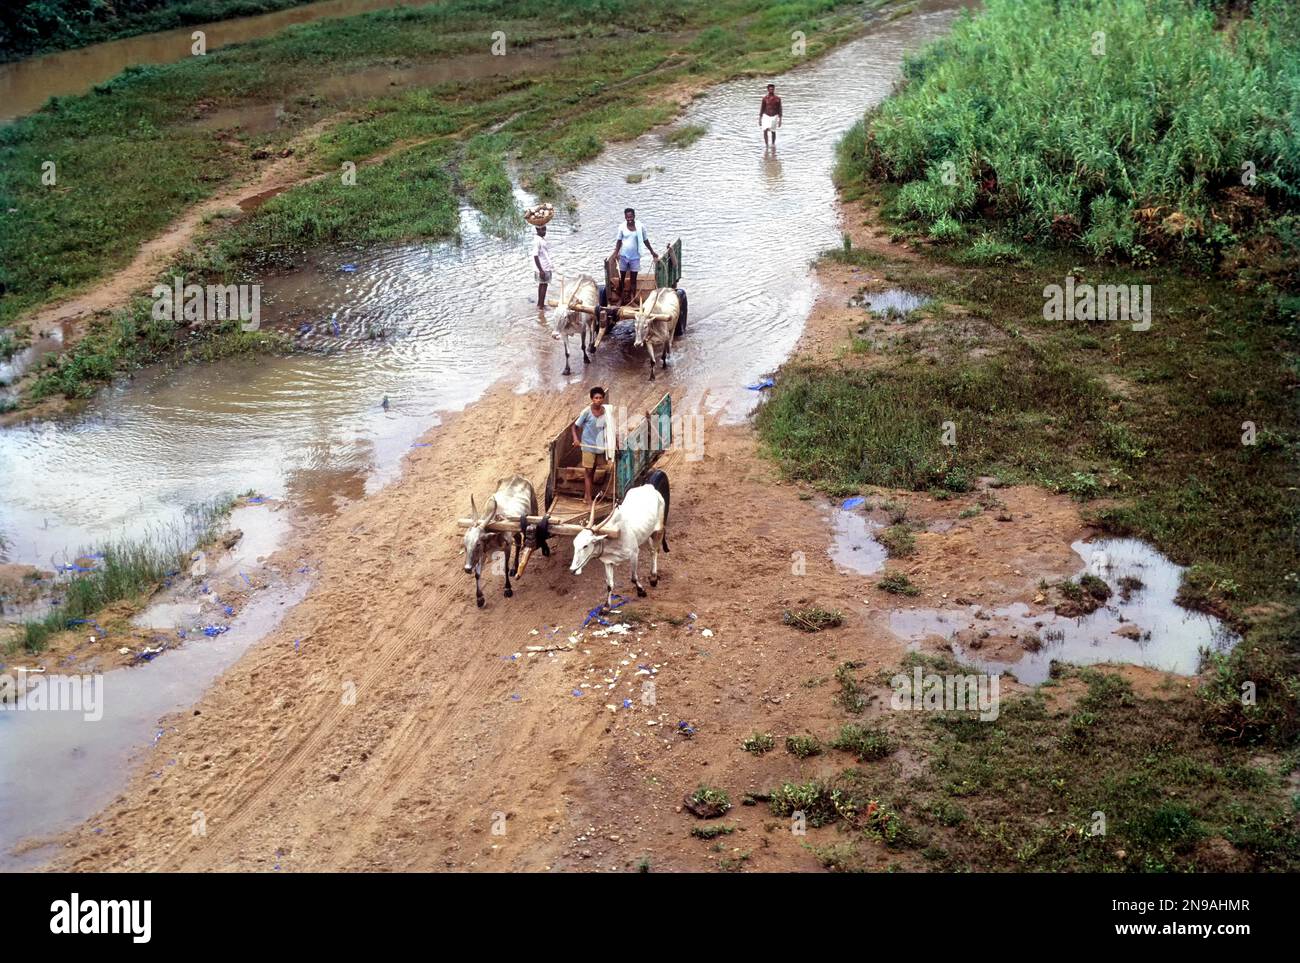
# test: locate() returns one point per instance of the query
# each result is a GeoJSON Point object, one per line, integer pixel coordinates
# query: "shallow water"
{"type": "Point", "coordinates": [310, 428]}
{"type": "Point", "coordinates": [60, 767]}
{"type": "Point", "coordinates": [26, 84]}
{"type": "Point", "coordinates": [853, 545]}
{"type": "Point", "coordinates": [890, 301]}
{"type": "Point", "coordinates": [1171, 637]}
{"type": "Point", "coordinates": [428, 327]}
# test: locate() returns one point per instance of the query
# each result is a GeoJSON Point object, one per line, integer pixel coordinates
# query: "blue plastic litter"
{"type": "Point", "coordinates": [421, 444]}
{"type": "Point", "coordinates": [627, 703]}
{"type": "Point", "coordinates": [257, 500]}
{"type": "Point", "coordinates": [686, 729]}
{"type": "Point", "coordinates": [349, 268]}
{"type": "Point", "coordinates": [577, 692]}
{"type": "Point", "coordinates": [211, 631]}
{"type": "Point", "coordinates": [74, 567]}
{"type": "Point", "coordinates": [229, 610]}
{"type": "Point", "coordinates": [296, 643]}
{"type": "Point", "coordinates": [246, 578]}
{"type": "Point", "coordinates": [762, 385]}
{"type": "Point", "coordinates": [514, 697]}
{"type": "Point", "coordinates": [334, 327]}
{"type": "Point", "coordinates": [305, 328]}
{"type": "Point", "coordinates": [853, 502]}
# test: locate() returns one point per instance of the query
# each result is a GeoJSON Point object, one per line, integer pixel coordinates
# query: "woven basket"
{"type": "Point", "coordinates": [539, 215]}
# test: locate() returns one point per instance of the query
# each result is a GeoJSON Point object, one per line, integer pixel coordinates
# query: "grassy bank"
{"type": "Point", "coordinates": [1135, 128]}
{"type": "Point", "coordinates": [130, 156]}
{"type": "Point", "coordinates": [127, 569]}
{"type": "Point", "coordinates": [43, 26]}
{"type": "Point", "coordinates": [1083, 774]}
{"type": "Point", "coordinates": [1183, 431]}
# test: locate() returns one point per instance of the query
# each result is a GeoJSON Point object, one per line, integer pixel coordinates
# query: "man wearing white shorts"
{"type": "Point", "coordinates": [627, 248]}
{"type": "Point", "coordinates": [769, 115]}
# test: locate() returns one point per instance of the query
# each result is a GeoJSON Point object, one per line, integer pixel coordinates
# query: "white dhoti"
{"type": "Point", "coordinates": [769, 121]}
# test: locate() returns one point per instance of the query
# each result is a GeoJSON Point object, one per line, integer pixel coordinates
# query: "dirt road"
{"type": "Point", "coordinates": [389, 724]}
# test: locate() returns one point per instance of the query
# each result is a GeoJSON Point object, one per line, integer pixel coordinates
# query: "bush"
{"type": "Point", "coordinates": [1135, 147]}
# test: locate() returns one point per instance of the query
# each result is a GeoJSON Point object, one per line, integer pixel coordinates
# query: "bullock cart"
{"type": "Point", "coordinates": [641, 448]}
{"type": "Point", "coordinates": [667, 274]}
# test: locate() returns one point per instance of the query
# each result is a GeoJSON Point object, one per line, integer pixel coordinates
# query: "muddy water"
{"type": "Point", "coordinates": [430, 326]}
{"type": "Point", "coordinates": [26, 84]}
{"type": "Point", "coordinates": [426, 328]}
{"type": "Point", "coordinates": [1140, 626]}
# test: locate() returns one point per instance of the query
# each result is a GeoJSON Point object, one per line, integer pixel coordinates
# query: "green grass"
{"type": "Point", "coordinates": [127, 569]}
{"type": "Point", "coordinates": [1144, 428]}
{"type": "Point", "coordinates": [801, 747]}
{"type": "Point", "coordinates": [131, 338]}
{"type": "Point", "coordinates": [758, 743]}
{"type": "Point", "coordinates": [684, 136]}
{"type": "Point", "coordinates": [1141, 151]}
{"type": "Point", "coordinates": [1105, 780]}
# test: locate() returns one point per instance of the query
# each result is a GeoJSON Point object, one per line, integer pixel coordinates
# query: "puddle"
{"type": "Point", "coordinates": [854, 547]}
{"type": "Point", "coordinates": [60, 768]}
{"type": "Point", "coordinates": [26, 84]}
{"type": "Point", "coordinates": [309, 429]}
{"type": "Point", "coordinates": [891, 302]}
{"type": "Point", "coordinates": [20, 362]}
{"type": "Point", "coordinates": [1168, 637]}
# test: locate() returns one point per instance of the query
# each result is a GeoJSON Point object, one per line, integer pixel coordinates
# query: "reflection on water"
{"type": "Point", "coordinates": [430, 326]}
{"type": "Point", "coordinates": [1139, 626]}
{"type": "Point", "coordinates": [26, 84]}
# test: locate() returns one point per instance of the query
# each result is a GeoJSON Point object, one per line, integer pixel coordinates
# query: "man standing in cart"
{"type": "Point", "coordinates": [627, 248]}
{"type": "Point", "coordinates": [590, 436]}
{"type": "Point", "coordinates": [769, 115]}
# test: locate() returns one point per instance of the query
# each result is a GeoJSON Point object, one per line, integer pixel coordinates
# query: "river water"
{"type": "Point", "coordinates": [430, 326]}
{"type": "Point", "coordinates": [26, 84]}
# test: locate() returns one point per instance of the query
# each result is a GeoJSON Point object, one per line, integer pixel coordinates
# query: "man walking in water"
{"type": "Point", "coordinates": [592, 440]}
{"type": "Point", "coordinates": [769, 115]}
{"type": "Point", "coordinates": [542, 259]}
{"type": "Point", "coordinates": [627, 248]}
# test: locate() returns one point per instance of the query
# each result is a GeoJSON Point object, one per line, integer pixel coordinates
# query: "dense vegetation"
{"type": "Point", "coordinates": [1128, 127]}
{"type": "Point", "coordinates": [37, 26]}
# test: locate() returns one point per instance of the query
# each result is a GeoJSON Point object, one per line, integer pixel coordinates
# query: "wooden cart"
{"type": "Point", "coordinates": [639, 450]}
{"type": "Point", "coordinates": [667, 274]}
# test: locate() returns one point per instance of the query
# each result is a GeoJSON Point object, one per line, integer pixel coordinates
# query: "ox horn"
{"type": "Point", "coordinates": [473, 509]}
{"type": "Point", "coordinates": [591, 519]}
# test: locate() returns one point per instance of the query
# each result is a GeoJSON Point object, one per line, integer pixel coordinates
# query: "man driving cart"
{"type": "Point", "coordinates": [627, 249]}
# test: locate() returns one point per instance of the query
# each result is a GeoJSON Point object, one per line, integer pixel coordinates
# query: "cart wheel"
{"type": "Point", "coordinates": [681, 315]}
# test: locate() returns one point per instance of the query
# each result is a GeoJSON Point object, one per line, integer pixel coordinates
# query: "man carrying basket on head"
{"type": "Point", "coordinates": [538, 217]}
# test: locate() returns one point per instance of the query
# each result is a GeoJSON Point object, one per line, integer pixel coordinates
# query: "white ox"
{"type": "Point", "coordinates": [513, 499]}
{"type": "Point", "coordinates": [656, 320]}
{"type": "Point", "coordinates": [642, 517]}
{"type": "Point", "coordinates": [566, 321]}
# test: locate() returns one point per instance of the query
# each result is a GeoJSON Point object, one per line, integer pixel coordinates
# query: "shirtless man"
{"type": "Point", "coordinates": [769, 114]}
